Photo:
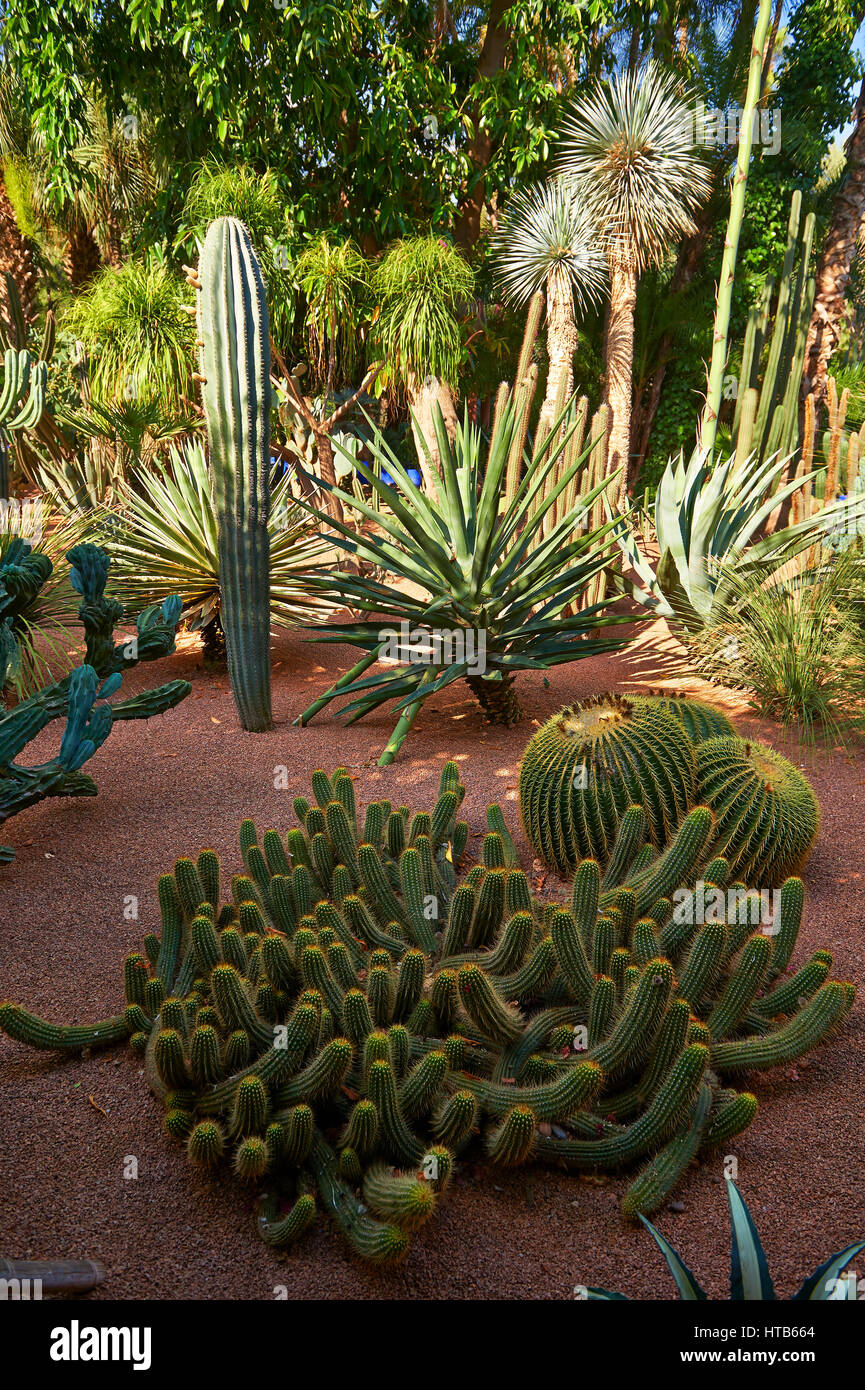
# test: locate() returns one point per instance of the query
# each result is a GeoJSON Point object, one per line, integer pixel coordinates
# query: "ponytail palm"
{"type": "Point", "coordinates": [423, 288]}
{"type": "Point", "coordinates": [547, 241]}
{"type": "Point", "coordinates": [629, 146]}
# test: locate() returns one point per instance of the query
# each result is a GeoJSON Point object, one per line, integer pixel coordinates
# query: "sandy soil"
{"type": "Point", "coordinates": [184, 781]}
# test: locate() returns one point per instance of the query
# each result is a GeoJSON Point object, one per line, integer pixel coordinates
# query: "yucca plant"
{"type": "Point", "coordinates": [708, 522]}
{"type": "Point", "coordinates": [629, 146]}
{"type": "Point", "coordinates": [492, 597]}
{"type": "Point", "coordinates": [750, 1280]}
{"type": "Point", "coordinates": [162, 540]}
{"type": "Point", "coordinates": [113, 440]}
{"type": "Point", "coordinates": [547, 241]}
{"type": "Point", "coordinates": [256, 199]}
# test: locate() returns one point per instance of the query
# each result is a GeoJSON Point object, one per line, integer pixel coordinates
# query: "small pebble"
{"type": "Point", "coordinates": [677, 1206]}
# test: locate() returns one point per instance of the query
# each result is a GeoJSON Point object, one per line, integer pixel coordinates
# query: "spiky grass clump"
{"type": "Point", "coordinates": [347, 1019]}
{"type": "Point", "coordinates": [589, 763]}
{"type": "Point", "coordinates": [766, 811]}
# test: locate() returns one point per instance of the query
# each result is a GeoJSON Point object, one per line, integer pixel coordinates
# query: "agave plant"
{"type": "Point", "coordinates": [114, 439]}
{"type": "Point", "coordinates": [490, 594]}
{"type": "Point", "coordinates": [162, 540]}
{"type": "Point", "coordinates": [547, 241]}
{"type": "Point", "coordinates": [706, 520]}
{"type": "Point", "coordinates": [749, 1269]}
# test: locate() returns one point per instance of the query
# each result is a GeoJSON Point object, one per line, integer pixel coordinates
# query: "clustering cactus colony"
{"type": "Point", "coordinates": [347, 1015]}
{"type": "Point", "coordinates": [236, 393]}
{"type": "Point", "coordinates": [82, 696]}
{"type": "Point", "coordinates": [588, 763]}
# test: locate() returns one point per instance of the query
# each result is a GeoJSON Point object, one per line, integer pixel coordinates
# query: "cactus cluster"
{"type": "Point", "coordinates": [587, 764]}
{"type": "Point", "coordinates": [352, 1011]}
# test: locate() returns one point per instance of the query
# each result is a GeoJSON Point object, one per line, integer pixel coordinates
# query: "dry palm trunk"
{"type": "Point", "coordinates": [562, 340]}
{"type": "Point", "coordinates": [620, 363]}
{"type": "Point", "coordinates": [81, 258]}
{"type": "Point", "coordinates": [836, 259]}
{"type": "Point", "coordinates": [423, 397]}
{"type": "Point", "coordinates": [16, 255]}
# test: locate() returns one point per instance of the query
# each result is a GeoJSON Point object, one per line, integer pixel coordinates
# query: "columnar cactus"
{"type": "Point", "coordinates": [234, 337]}
{"type": "Point", "coordinates": [342, 1020]}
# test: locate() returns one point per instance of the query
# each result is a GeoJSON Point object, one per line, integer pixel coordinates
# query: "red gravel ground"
{"type": "Point", "coordinates": [184, 781]}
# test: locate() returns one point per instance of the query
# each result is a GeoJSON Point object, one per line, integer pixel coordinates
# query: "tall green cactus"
{"type": "Point", "coordinates": [766, 419]}
{"type": "Point", "coordinates": [234, 339]}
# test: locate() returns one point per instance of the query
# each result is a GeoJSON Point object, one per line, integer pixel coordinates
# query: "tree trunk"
{"type": "Point", "coordinates": [562, 339]}
{"type": "Point", "coordinates": [620, 363]}
{"type": "Point", "coordinates": [491, 60]}
{"type": "Point", "coordinates": [836, 259]}
{"type": "Point", "coordinates": [16, 256]}
{"type": "Point", "coordinates": [81, 259]}
{"type": "Point", "coordinates": [497, 699]}
{"type": "Point", "coordinates": [423, 398]}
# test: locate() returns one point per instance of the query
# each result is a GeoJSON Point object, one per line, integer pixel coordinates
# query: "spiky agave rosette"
{"type": "Point", "coordinates": [352, 1017]}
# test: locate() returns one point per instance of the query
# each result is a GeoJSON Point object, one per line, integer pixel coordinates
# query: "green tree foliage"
{"type": "Point", "coordinates": [368, 111]}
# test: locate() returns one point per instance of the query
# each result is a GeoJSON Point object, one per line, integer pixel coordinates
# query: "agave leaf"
{"type": "Point", "coordinates": [689, 1289]}
{"type": "Point", "coordinates": [749, 1269]}
{"type": "Point", "coordinates": [821, 1286]}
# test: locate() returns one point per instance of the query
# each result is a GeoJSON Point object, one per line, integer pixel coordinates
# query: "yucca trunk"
{"type": "Point", "coordinates": [620, 361]}
{"type": "Point", "coordinates": [562, 339]}
{"type": "Point", "coordinates": [423, 397]}
{"type": "Point", "coordinates": [497, 699]}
